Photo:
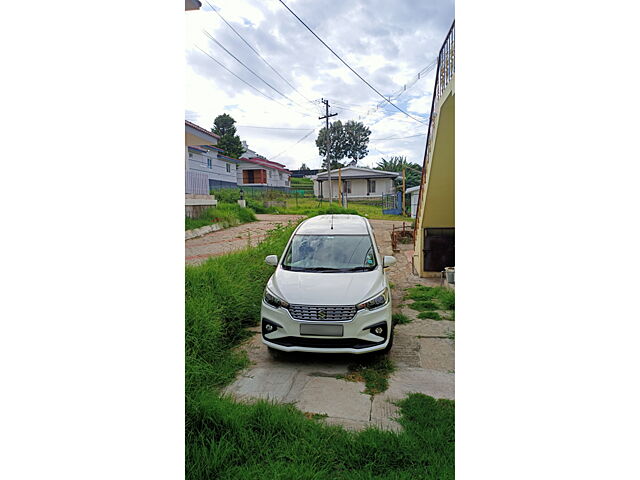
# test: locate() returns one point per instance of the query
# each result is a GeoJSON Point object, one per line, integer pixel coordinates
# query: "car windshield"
{"type": "Point", "coordinates": [330, 253]}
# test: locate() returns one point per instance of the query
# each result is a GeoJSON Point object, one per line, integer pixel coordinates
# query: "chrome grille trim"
{"type": "Point", "coordinates": [329, 313]}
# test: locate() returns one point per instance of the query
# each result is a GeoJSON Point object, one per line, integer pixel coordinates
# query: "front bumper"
{"type": "Point", "coordinates": [356, 338]}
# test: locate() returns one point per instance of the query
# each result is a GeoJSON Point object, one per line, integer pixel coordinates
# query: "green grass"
{"type": "Point", "coordinates": [226, 214]}
{"type": "Point", "coordinates": [400, 319]}
{"type": "Point", "coordinates": [304, 205]}
{"type": "Point", "coordinates": [297, 205]}
{"type": "Point", "coordinates": [229, 440]}
{"type": "Point", "coordinates": [430, 314]}
{"type": "Point", "coordinates": [431, 298]}
{"type": "Point", "coordinates": [373, 370]}
{"type": "Point", "coordinates": [222, 297]}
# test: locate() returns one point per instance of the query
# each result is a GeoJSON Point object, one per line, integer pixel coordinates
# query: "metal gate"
{"type": "Point", "coordinates": [392, 203]}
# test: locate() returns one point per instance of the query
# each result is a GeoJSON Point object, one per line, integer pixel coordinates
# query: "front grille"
{"type": "Point", "coordinates": [330, 313]}
{"type": "Point", "coordinates": [324, 342]}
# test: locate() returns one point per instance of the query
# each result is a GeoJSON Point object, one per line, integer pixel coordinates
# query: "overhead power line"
{"type": "Point", "coordinates": [256, 52]}
{"type": "Point", "coordinates": [248, 84]}
{"type": "Point", "coordinates": [291, 146]}
{"type": "Point", "coordinates": [239, 78]}
{"type": "Point", "coordinates": [254, 73]}
{"type": "Point", "coordinates": [349, 67]}
{"type": "Point", "coordinates": [398, 138]}
{"type": "Point", "coordinates": [272, 128]}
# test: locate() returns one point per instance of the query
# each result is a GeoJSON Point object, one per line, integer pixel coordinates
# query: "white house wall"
{"type": "Point", "coordinates": [358, 188]}
{"type": "Point", "coordinates": [197, 162]}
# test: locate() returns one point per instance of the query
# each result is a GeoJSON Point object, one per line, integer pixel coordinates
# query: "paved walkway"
{"type": "Point", "coordinates": [422, 353]}
{"type": "Point", "coordinates": [197, 250]}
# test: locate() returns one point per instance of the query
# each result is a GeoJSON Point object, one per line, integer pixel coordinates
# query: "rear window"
{"type": "Point", "coordinates": [330, 253]}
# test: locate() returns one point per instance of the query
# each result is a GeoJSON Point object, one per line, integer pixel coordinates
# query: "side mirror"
{"type": "Point", "coordinates": [271, 260]}
{"type": "Point", "coordinates": [388, 260]}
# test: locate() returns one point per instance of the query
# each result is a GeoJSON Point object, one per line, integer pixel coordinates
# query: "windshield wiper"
{"type": "Point", "coordinates": [315, 269]}
{"type": "Point", "coordinates": [357, 269]}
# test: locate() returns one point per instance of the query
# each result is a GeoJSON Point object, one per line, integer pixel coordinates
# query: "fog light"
{"type": "Point", "coordinates": [268, 327]}
{"type": "Point", "coordinates": [378, 331]}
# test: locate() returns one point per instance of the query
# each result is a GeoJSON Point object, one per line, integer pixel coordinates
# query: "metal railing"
{"type": "Point", "coordinates": [444, 73]}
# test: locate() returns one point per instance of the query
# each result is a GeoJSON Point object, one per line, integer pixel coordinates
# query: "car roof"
{"type": "Point", "coordinates": [342, 225]}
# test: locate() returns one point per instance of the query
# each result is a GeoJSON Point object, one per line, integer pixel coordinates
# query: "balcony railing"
{"type": "Point", "coordinates": [444, 73]}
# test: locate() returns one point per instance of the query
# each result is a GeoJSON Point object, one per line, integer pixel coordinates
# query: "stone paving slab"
{"type": "Point", "coordinates": [419, 380]}
{"type": "Point", "coordinates": [335, 398]}
{"type": "Point", "coordinates": [437, 354]}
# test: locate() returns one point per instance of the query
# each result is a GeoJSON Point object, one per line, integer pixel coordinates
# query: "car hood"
{"type": "Point", "coordinates": [313, 288]}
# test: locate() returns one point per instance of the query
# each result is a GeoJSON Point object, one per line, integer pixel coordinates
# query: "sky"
{"type": "Point", "coordinates": [387, 42]}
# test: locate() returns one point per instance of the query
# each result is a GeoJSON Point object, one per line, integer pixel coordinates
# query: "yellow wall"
{"type": "Point", "coordinates": [190, 140]}
{"type": "Point", "coordinates": [437, 209]}
{"type": "Point", "coordinates": [440, 203]}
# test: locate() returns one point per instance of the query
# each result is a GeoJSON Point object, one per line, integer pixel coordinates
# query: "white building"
{"type": "Point", "coordinates": [205, 164]}
{"type": "Point", "coordinates": [255, 171]}
{"type": "Point", "coordinates": [415, 193]}
{"type": "Point", "coordinates": [358, 183]}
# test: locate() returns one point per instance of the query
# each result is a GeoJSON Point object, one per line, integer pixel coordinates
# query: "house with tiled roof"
{"type": "Point", "coordinates": [256, 171]}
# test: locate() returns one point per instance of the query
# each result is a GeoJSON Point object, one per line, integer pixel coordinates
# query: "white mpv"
{"type": "Point", "coordinates": [329, 292]}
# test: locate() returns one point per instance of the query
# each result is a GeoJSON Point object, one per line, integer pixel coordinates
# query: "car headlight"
{"type": "Point", "coordinates": [274, 301]}
{"type": "Point", "coordinates": [376, 301]}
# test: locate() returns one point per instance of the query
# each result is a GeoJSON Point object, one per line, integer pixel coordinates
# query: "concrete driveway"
{"type": "Point", "coordinates": [422, 352]}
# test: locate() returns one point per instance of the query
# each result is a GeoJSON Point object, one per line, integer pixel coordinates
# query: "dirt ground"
{"type": "Point", "coordinates": [197, 250]}
{"type": "Point", "coordinates": [422, 352]}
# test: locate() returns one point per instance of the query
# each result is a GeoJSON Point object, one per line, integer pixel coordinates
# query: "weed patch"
{"type": "Point", "coordinates": [431, 298]}
{"type": "Point", "coordinates": [400, 319]}
{"type": "Point", "coordinates": [374, 372]}
{"type": "Point", "coordinates": [430, 314]}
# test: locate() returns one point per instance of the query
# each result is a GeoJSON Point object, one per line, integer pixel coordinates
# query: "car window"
{"type": "Point", "coordinates": [330, 253]}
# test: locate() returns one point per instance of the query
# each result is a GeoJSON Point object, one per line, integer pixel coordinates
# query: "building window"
{"type": "Point", "coordinates": [371, 186]}
{"type": "Point", "coordinates": [209, 165]}
{"type": "Point", "coordinates": [191, 155]}
{"type": "Point", "coordinates": [228, 168]}
{"type": "Point", "coordinates": [280, 174]}
{"type": "Point", "coordinates": [346, 186]}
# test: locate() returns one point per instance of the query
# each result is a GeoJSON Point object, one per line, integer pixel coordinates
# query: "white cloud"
{"type": "Point", "coordinates": [387, 45]}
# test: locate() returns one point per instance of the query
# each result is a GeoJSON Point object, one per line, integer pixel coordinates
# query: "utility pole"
{"type": "Point", "coordinates": [404, 177]}
{"type": "Point", "coordinates": [326, 117]}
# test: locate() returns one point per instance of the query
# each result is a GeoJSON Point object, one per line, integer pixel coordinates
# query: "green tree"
{"type": "Point", "coordinates": [396, 164]}
{"type": "Point", "coordinates": [349, 140]}
{"type": "Point", "coordinates": [356, 140]}
{"type": "Point", "coordinates": [304, 166]}
{"type": "Point", "coordinates": [336, 143]}
{"type": "Point", "coordinates": [229, 142]}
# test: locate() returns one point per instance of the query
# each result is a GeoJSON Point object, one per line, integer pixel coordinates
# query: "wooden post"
{"type": "Point", "coordinates": [340, 186]}
{"type": "Point", "coordinates": [404, 176]}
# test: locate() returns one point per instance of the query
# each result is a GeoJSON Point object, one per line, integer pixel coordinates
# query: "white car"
{"type": "Point", "coordinates": [329, 292]}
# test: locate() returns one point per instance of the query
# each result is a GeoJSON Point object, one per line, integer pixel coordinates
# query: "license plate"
{"type": "Point", "coordinates": [321, 330]}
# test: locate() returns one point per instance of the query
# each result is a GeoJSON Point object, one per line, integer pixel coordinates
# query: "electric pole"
{"type": "Point", "coordinates": [326, 117]}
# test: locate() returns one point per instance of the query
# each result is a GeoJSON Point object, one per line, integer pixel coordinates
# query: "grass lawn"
{"type": "Point", "coordinates": [303, 205]}
{"type": "Point", "coordinates": [227, 214]}
{"type": "Point", "coordinates": [429, 299]}
{"type": "Point", "coordinates": [229, 440]}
